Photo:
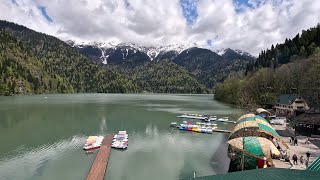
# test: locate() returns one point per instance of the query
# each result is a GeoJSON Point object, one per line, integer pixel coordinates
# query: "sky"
{"type": "Point", "coordinates": [248, 25]}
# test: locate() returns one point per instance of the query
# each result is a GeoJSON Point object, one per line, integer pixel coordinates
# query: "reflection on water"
{"type": "Point", "coordinates": [165, 153]}
{"type": "Point", "coordinates": [43, 138]}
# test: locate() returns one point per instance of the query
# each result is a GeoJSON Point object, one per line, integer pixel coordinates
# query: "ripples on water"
{"type": "Point", "coordinates": [39, 128]}
{"type": "Point", "coordinates": [33, 160]}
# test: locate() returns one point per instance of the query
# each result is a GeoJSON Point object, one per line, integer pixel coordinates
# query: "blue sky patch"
{"type": "Point", "coordinates": [189, 10]}
{"type": "Point", "coordinates": [44, 13]}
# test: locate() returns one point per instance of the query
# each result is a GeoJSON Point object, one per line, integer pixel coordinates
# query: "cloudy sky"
{"type": "Point", "coordinates": [249, 25]}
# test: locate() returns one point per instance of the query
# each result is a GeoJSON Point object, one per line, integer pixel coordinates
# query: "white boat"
{"type": "Point", "coordinates": [92, 146]}
{"type": "Point", "coordinates": [173, 124]}
{"type": "Point", "coordinates": [120, 145]}
{"type": "Point", "coordinates": [192, 116]}
{"type": "Point", "coordinates": [120, 140]}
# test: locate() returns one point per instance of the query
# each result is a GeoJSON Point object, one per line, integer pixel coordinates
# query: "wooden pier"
{"type": "Point", "coordinates": [220, 130]}
{"type": "Point", "coordinates": [100, 164]}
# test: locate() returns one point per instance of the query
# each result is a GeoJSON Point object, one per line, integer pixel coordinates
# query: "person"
{"type": "Point", "coordinates": [295, 159]}
{"type": "Point", "coordinates": [290, 140]}
{"type": "Point", "coordinates": [265, 162]}
{"type": "Point", "coordinates": [308, 155]}
{"type": "Point", "coordinates": [260, 163]}
{"type": "Point", "coordinates": [295, 141]}
{"type": "Point", "coordinates": [307, 141]}
{"type": "Point", "coordinates": [301, 160]}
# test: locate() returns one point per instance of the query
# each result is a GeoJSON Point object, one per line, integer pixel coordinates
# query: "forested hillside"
{"type": "Point", "coordinates": [209, 67]}
{"type": "Point", "coordinates": [292, 67]}
{"type": "Point", "coordinates": [166, 77]}
{"type": "Point", "coordinates": [33, 62]}
{"type": "Point", "coordinates": [301, 46]}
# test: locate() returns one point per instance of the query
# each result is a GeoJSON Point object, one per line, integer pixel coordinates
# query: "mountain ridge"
{"type": "Point", "coordinates": [153, 52]}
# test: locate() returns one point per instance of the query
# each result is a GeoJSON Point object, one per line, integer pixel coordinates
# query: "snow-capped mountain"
{"type": "Point", "coordinates": [118, 53]}
{"type": "Point", "coordinates": [127, 50]}
{"type": "Point", "coordinates": [223, 51]}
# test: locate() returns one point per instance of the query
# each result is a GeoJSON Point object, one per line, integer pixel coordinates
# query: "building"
{"type": "Point", "coordinates": [289, 105]}
{"type": "Point", "coordinates": [308, 123]}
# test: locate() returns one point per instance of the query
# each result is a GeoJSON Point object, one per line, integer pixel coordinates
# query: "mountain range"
{"type": "Point", "coordinates": [120, 52]}
{"type": "Point", "coordinates": [209, 67]}
{"type": "Point", "coordinates": [33, 62]}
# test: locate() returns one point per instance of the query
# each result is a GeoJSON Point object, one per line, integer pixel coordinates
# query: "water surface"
{"type": "Point", "coordinates": [42, 136]}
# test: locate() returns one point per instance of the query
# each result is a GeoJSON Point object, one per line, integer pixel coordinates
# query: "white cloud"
{"type": "Point", "coordinates": [149, 22]}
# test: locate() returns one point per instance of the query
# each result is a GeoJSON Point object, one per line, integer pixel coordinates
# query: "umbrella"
{"type": "Point", "coordinates": [249, 125]}
{"type": "Point", "coordinates": [257, 147]}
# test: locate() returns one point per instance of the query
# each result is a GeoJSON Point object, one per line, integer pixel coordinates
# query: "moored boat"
{"type": "Point", "coordinates": [93, 142]}
{"type": "Point", "coordinates": [120, 140]}
{"type": "Point", "coordinates": [173, 124]}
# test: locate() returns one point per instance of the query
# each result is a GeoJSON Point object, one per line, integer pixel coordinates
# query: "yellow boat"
{"type": "Point", "coordinates": [196, 130]}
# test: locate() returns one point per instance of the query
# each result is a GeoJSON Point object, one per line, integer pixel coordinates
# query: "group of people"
{"type": "Point", "coordinates": [293, 140]}
{"type": "Point", "coordinates": [295, 159]}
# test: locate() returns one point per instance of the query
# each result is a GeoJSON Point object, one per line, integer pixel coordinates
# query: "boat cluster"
{"type": "Point", "coordinates": [93, 142]}
{"type": "Point", "coordinates": [120, 140]}
{"type": "Point", "coordinates": [205, 118]}
{"type": "Point", "coordinates": [198, 127]}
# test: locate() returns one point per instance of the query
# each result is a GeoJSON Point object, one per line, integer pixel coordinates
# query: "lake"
{"type": "Point", "coordinates": [42, 136]}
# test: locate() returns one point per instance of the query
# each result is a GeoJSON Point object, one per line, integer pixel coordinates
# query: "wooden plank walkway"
{"type": "Point", "coordinates": [100, 164]}
{"type": "Point", "coordinates": [220, 130]}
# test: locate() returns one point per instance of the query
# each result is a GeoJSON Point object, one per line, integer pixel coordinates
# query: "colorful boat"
{"type": "Point", "coordinates": [120, 140]}
{"type": "Point", "coordinates": [92, 146]}
{"type": "Point", "coordinates": [93, 142]}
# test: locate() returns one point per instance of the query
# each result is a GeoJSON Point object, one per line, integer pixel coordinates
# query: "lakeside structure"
{"type": "Point", "coordinates": [290, 105]}
{"type": "Point", "coordinates": [253, 143]}
{"type": "Point", "coordinates": [249, 152]}
{"type": "Point", "coordinates": [100, 164]}
{"type": "Point", "coordinates": [308, 123]}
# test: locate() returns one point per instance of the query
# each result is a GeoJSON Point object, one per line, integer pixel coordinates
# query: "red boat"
{"type": "Point", "coordinates": [91, 147]}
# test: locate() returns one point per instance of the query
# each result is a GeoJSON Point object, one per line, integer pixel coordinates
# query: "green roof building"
{"type": "Point", "coordinates": [289, 105]}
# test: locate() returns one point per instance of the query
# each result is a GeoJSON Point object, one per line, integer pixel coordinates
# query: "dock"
{"type": "Point", "coordinates": [100, 164]}
{"type": "Point", "coordinates": [221, 130]}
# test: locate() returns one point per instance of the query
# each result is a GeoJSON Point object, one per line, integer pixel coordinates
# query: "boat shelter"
{"type": "Point", "coordinates": [308, 123]}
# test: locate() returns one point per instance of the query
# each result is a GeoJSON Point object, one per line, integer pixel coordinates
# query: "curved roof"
{"type": "Point", "coordinates": [249, 125]}
{"type": "Point", "coordinates": [261, 110]}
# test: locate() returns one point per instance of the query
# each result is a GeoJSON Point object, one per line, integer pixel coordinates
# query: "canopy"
{"type": "Point", "coordinates": [246, 115]}
{"type": "Point", "coordinates": [254, 146]}
{"type": "Point", "coordinates": [261, 110]}
{"type": "Point", "coordinates": [249, 125]}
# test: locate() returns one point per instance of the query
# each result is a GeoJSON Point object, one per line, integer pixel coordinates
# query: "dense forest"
{"type": "Point", "coordinates": [163, 77]}
{"type": "Point", "coordinates": [289, 68]}
{"type": "Point", "coordinates": [34, 63]}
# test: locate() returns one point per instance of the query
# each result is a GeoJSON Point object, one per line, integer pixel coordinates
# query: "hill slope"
{"type": "Point", "coordinates": [39, 63]}
{"type": "Point", "coordinates": [281, 70]}
{"type": "Point", "coordinates": [166, 77]}
{"type": "Point", "coordinates": [32, 62]}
